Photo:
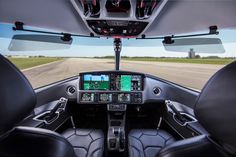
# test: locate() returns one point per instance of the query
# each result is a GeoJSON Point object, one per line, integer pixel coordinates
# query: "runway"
{"type": "Point", "coordinates": [186, 74]}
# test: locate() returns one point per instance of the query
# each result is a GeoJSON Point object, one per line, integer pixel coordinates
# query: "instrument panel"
{"type": "Point", "coordinates": [111, 82]}
{"type": "Point", "coordinates": [111, 87]}
{"type": "Point", "coordinates": [98, 97]}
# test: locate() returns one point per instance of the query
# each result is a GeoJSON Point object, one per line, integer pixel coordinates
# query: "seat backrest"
{"type": "Point", "coordinates": [35, 142]}
{"type": "Point", "coordinates": [17, 97]}
{"type": "Point", "coordinates": [17, 102]}
{"type": "Point", "coordinates": [199, 146]}
{"type": "Point", "coordinates": [215, 109]}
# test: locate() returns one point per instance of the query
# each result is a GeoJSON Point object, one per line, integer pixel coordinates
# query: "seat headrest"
{"type": "Point", "coordinates": [216, 107]}
{"type": "Point", "coordinates": [17, 97]}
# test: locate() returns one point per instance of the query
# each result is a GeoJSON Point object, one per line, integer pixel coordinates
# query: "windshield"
{"type": "Point", "coordinates": [183, 63]}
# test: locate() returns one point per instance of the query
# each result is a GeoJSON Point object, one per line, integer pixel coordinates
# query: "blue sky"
{"type": "Point", "coordinates": [89, 47]}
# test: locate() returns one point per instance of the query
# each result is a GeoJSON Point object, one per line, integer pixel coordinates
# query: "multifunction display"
{"type": "Point", "coordinates": [112, 82]}
{"type": "Point", "coordinates": [95, 82]}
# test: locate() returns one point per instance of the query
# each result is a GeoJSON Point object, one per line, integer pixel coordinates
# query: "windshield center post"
{"type": "Point", "coordinates": [117, 48]}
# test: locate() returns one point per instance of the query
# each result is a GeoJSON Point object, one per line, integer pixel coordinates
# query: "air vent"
{"type": "Point", "coordinates": [71, 90]}
{"type": "Point", "coordinates": [156, 90]}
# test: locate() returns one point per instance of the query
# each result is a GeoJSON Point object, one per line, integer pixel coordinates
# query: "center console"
{"type": "Point", "coordinates": [116, 127]}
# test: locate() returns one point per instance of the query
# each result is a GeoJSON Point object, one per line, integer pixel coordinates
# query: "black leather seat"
{"type": "Point", "coordinates": [18, 100]}
{"type": "Point", "coordinates": [215, 109]}
{"type": "Point", "coordinates": [147, 142]}
{"type": "Point", "coordinates": [86, 142]}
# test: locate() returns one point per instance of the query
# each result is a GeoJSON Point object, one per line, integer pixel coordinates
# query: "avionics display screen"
{"type": "Point", "coordinates": [87, 97]}
{"type": "Point", "coordinates": [96, 82]}
{"type": "Point", "coordinates": [125, 82]}
{"type": "Point", "coordinates": [124, 97]}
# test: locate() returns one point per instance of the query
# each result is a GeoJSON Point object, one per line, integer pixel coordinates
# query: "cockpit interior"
{"type": "Point", "coordinates": [117, 113]}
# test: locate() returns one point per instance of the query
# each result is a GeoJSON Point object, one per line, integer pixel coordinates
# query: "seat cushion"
{"type": "Point", "coordinates": [86, 142]}
{"type": "Point", "coordinates": [147, 142]}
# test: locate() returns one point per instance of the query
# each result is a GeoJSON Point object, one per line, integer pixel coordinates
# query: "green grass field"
{"type": "Point", "coordinates": [207, 60]}
{"type": "Point", "coordinates": [23, 63]}
{"type": "Point", "coordinates": [219, 61]}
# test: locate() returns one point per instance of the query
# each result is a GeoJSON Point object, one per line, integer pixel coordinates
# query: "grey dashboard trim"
{"type": "Point", "coordinates": [55, 91]}
{"type": "Point", "coordinates": [55, 84]}
{"type": "Point", "coordinates": [170, 91]}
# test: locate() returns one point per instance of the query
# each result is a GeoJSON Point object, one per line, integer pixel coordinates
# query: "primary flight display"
{"type": "Point", "coordinates": [96, 82]}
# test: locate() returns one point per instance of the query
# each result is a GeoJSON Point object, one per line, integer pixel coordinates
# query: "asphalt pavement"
{"type": "Point", "coordinates": [186, 74]}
